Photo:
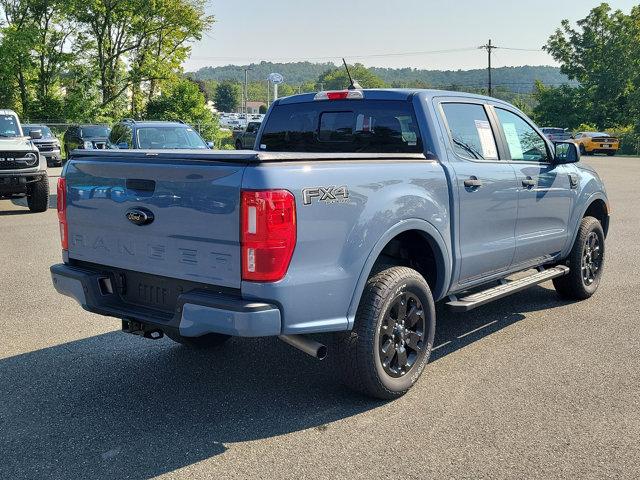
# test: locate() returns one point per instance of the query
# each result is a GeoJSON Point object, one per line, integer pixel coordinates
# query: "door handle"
{"type": "Point", "coordinates": [528, 182]}
{"type": "Point", "coordinates": [472, 182]}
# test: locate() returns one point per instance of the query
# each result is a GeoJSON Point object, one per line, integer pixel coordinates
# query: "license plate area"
{"type": "Point", "coordinates": [150, 291]}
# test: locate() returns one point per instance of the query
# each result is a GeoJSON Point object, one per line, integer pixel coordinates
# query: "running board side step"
{"type": "Point", "coordinates": [472, 301]}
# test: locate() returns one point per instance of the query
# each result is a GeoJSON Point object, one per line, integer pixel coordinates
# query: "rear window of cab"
{"type": "Point", "coordinates": [344, 126]}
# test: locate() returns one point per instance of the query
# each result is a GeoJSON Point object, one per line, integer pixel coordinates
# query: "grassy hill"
{"type": "Point", "coordinates": [515, 79]}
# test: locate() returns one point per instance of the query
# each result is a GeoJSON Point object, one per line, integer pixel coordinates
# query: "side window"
{"type": "Point", "coordinates": [114, 136]}
{"type": "Point", "coordinates": [523, 141]}
{"type": "Point", "coordinates": [470, 131]}
{"type": "Point", "coordinates": [127, 136]}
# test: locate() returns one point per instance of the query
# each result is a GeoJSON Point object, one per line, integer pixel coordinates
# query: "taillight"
{"type": "Point", "coordinates": [268, 234]}
{"type": "Point", "coordinates": [340, 95]}
{"type": "Point", "coordinates": [62, 213]}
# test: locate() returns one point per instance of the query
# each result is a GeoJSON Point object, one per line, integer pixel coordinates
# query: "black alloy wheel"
{"type": "Point", "coordinates": [401, 336]}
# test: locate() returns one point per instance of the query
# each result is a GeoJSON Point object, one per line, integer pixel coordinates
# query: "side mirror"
{"type": "Point", "coordinates": [35, 134]}
{"type": "Point", "coordinates": [566, 152]}
{"type": "Point", "coordinates": [211, 145]}
{"type": "Point", "coordinates": [123, 145]}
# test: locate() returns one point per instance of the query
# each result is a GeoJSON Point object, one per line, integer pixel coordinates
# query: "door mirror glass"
{"type": "Point", "coordinates": [566, 152]}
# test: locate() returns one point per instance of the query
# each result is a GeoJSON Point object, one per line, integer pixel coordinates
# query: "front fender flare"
{"type": "Point", "coordinates": [580, 215]}
{"type": "Point", "coordinates": [433, 236]}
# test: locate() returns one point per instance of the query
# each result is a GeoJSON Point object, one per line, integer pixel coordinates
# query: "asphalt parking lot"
{"type": "Point", "coordinates": [527, 387]}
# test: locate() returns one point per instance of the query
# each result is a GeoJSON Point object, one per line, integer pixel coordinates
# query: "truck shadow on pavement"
{"type": "Point", "coordinates": [118, 406]}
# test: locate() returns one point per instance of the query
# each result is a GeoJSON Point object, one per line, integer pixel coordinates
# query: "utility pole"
{"type": "Point", "coordinates": [246, 88]}
{"type": "Point", "coordinates": [489, 48]}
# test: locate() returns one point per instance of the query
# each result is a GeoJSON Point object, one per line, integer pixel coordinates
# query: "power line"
{"type": "Point", "coordinates": [372, 55]}
{"type": "Point", "coordinates": [522, 49]}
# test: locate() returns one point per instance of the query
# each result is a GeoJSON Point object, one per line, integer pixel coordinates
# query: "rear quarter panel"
{"type": "Point", "coordinates": [337, 241]}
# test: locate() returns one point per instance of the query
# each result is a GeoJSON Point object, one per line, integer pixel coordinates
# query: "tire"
{"type": "Point", "coordinates": [38, 195]}
{"type": "Point", "coordinates": [210, 340]}
{"type": "Point", "coordinates": [363, 364]}
{"type": "Point", "coordinates": [238, 145]}
{"type": "Point", "coordinates": [582, 150]}
{"type": "Point", "coordinates": [581, 283]}
{"type": "Point", "coordinates": [611, 153]}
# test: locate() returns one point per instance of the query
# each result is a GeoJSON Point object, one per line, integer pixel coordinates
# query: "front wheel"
{"type": "Point", "coordinates": [583, 151]}
{"type": "Point", "coordinates": [391, 341]}
{"type": "Point", "coordinates": [38, 195]}
{"type": "Point", "coordinates": [611, 153]}
{"type": "Point", "coordinates": [586, 262]}
{"type": "Point", "coordinates": [238, 145]}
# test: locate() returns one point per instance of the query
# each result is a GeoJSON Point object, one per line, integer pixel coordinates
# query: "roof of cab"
{"type": "Point", "coordinates": [8, 112]}
{"type": "Point", "coordinates": [393, 94]}
{"type": "Point", "coordinates": [155, 123]}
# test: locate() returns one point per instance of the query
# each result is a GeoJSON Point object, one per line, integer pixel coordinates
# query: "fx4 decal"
{"type": "Point", "coordinates": [325, 194]}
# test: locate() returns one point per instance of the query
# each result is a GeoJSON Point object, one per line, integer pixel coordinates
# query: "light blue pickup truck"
{"type": "Point", "coordinates": [355, 213]}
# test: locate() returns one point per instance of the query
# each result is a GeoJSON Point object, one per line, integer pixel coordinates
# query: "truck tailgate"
{"type": "Point", "coordinates": [193, 204]}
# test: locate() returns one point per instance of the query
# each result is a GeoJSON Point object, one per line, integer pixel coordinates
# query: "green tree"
{"type": "Point", "coordinates": [337, 78]}
{"type": "Point", "coordinates": [183, 100]}
{"type": "Point", "coordinates": [600, 55]}
{"type": "Point", "coordinates": [227, 96]}
{"type": "Point", "coordinates": [148, 36]}
{"type": "Point", "coordinates": [562, 106]}
{"type": "Point", "coordinates": [170, 25]}
{"type": "Point", "coordinates": [16, 43]}
{"type": "Point", "coordinates": [54, 31]}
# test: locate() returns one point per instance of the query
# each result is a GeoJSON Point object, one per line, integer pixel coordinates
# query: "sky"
{"type": "Point", "coordinates": [385, 33]}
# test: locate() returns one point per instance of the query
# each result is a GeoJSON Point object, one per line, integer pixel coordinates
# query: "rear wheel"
{"type": "Point", "coordinates": [38, 195]}
{"type": "Point", "coordinates": [210, 340]}
{"type": "Point", "coordinates": [611, 153]}
{"type": "Point", "coordinates": [586, 262]}
{"type": "Point", "coordinates": [391, 341]}
{"type": "Point", "coordinates": [238, 145]}
{"type": "Point", "coordinates": [582, 150]}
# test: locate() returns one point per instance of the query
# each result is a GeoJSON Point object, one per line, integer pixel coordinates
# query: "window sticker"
{"type": "Point", "coordinates": [513, 140]}
{"type": "Point", "coordinates": [489, 151]}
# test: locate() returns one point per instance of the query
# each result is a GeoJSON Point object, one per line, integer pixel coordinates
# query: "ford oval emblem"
{"type": "Point", "coordinates": [139, 216]}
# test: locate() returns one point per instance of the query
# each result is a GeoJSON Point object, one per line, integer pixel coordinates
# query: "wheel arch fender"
{"type": "Point", "coordinates": [584, 205]}
{"type": "Point", "coordinates": [441, 252]}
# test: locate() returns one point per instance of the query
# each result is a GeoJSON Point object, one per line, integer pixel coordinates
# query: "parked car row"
{"type": "Point", "coordinates": [588, 142]}
{"type": "Point", "coordinates": [239, 121]}
{"type": "Point", "coordinates": [132, 134]}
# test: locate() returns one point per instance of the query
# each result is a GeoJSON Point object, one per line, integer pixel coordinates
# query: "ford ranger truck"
{"type": "Point", "coordinates": [356, 212]}
{"type": "Point", "coordinates": [23, 171]}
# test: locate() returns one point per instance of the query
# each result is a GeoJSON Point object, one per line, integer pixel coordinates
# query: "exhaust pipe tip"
{"type": "Point", "coordinates": [306, 345]}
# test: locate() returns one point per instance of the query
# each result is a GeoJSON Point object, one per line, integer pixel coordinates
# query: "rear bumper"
{"type": "Point", "coordinates": [598, 148]}
{"type": "Point", "coordinates": [197, 312]}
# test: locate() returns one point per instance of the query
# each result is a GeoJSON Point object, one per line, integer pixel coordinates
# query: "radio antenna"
{"type": "Point", "coordinates": [353, 85]}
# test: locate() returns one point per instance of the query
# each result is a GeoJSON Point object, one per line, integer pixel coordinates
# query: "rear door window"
{"type": "Point", "coordinates": [349, 126]}
{"type": "Point", "coordinates": [470, 131]}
